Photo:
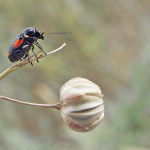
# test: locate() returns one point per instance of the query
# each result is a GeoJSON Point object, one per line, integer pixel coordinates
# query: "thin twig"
{"type": "Point", "coordinates": [25, 62]}
{"type": "Point", "coordinates": [56, 106]}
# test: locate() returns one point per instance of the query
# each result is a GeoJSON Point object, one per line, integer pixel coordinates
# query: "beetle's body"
{"type": "Point", "coordinates": [16, 50]}
{"type": "Point", "coordinates": [21, 45]}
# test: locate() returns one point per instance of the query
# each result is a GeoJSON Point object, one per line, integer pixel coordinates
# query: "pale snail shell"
{"type": "Point", "coordinates": [81, 104]}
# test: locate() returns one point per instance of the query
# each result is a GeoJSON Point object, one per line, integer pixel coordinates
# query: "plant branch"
{"type": "Point", "coordinates": [25, 62]}
{"type": "Point", "coordinates": [56, 106]}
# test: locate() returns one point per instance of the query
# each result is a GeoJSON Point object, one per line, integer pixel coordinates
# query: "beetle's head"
{"type": "Point", "coordinates": [33, 32]}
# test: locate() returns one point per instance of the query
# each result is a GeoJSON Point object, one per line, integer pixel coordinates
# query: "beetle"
{"type": "Point", "coordinates": [25, 41]}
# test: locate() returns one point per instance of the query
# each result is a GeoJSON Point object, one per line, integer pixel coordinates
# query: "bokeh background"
{"type": "Point", "coordinates": [110, 45]}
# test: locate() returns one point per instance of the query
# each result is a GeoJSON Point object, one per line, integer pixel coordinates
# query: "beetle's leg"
{"type": "Point", "coordinates": [25, 56]}
{"type": "Point", "coordinates": [26, 49]}
{"type": "Point", "coordinates": [29, 59]}
{"type": "Point", "coordinates": [34, 53]}
{"type": "Point", "coordinates": [40, 47]}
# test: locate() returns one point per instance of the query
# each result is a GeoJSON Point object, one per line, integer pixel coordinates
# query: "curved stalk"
{"type": "Point", "coordinates": [56, 106]}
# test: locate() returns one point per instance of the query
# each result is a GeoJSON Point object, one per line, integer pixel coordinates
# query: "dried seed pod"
{"type": "Point", "coordinates": [81, 104]}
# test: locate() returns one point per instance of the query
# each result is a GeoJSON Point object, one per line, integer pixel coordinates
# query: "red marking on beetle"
{"type": "Point", "coordinates": [8, 54]}
{"type": "Point", "coordinates": [18, 43]}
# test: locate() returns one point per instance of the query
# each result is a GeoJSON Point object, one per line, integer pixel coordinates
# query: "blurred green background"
{"type": "Point", "coordinates": [110, 45]}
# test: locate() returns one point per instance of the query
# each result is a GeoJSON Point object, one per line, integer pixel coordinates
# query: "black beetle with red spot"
{"type": "Point", "coordinates": [25, 41]}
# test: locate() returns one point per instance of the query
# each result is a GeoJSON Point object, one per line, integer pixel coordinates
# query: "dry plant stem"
{"type": "Point", "coordinates": [56, 106]}
{"type": "Point", "coordinates": [24, 62]}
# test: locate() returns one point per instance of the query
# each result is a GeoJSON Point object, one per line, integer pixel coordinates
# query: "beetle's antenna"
{"type": "Point", "coordinates": [56, 33]}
